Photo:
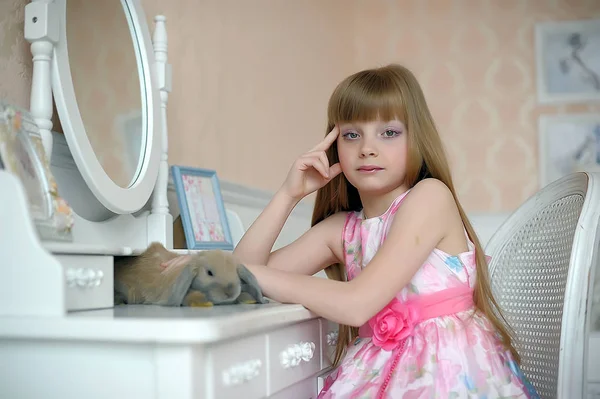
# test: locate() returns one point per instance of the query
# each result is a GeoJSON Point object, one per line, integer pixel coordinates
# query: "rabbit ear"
{"type": "Point", "coordinates": [180, 286]}
{"type": "Point", "coordinates": [250, 285]}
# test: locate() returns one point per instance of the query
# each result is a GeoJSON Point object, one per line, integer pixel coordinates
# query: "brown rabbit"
{"type": "Point", "coordinates": [211, 277]}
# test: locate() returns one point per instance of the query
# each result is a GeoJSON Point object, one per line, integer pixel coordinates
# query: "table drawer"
{"type": "Point", "coordinates": [306, 389]}
{"type": "Point", "coordinates": [239, 369]}
{"type": "Point", "coordinates": [294, 354]}
{"type": "Point", "coordinates": [89, 281]}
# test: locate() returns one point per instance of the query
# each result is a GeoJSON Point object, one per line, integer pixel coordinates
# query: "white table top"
{"type": "Point", "coordinates": [156, 324]}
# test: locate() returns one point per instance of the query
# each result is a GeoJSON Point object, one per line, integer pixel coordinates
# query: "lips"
{"type": "Point", "coordinates": [369, 168]}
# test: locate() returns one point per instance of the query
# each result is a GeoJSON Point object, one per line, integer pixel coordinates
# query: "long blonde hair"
{"type": "Point", "coordinates": [393, 92]}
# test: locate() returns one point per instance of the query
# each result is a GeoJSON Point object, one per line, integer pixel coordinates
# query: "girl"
{"type": "Point", "coordinates": [408, 280]}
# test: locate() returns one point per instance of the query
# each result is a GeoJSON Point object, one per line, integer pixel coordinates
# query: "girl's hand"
{"type": "Point", "coordinates": [178, 261]}
{"type": "Point", "coordinates": [311, 171]}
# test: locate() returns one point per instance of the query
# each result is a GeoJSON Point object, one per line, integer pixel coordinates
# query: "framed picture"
{"type": "Point", "coordinates": [203, 216]}
{"type": "Point", "coordinates": [568, 144]}
{"type": "Point", "coordinates": [568, 61]}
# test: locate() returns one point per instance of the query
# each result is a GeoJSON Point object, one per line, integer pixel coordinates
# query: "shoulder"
{"type": "Point", "coordinates": [432, 195]}
{"type": "Point", "coordinates": [429, 204]}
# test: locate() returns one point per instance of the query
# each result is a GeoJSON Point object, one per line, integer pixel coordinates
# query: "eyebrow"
{"type": "Point", "coordinates": [391, 123]}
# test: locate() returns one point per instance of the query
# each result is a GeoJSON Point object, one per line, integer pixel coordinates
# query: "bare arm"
{"type": "Point", "coordinates": [426, 219]}
{"type": "Point", "coordinates": [309, 172]}
{"type": "Point", "coordinates": [314, 250]}
{"type": "Point", "coordinates": [256, 244]}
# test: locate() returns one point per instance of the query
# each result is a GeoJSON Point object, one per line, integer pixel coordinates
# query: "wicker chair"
{"type": "Point", "coordinates": [542, 272]}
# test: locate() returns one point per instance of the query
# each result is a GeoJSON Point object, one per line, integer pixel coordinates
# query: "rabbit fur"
{"type": "Point", "coordinates": [211, 277]}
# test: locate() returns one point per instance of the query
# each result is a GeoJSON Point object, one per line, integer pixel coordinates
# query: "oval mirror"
{"type": "Point", "coordinates": [107, 101]}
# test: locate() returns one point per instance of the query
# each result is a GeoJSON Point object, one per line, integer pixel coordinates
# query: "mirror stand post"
{"type": "Point", "coordinates": [160, 221]}
{"type": "Point", "coordinates": [41, 30]}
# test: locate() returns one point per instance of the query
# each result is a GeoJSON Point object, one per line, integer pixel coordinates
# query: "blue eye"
{"type": "Point", "coordinates": [350, 135]}
{"type": "Point", "coordinates": [390, 133]}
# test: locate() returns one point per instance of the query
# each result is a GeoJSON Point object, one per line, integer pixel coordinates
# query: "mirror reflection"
{"type": "Point", "coordinates": [108, 87]}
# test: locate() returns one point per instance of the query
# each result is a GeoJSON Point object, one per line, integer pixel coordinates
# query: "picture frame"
{"type": "Point", "coordinates": [202, 209]}
{"type": "Point", "coordinates": [568, 143]}
{"type": "Point", "coordinates": [23, 155]}
{"type": "Point", "coordinates": [568, 61]}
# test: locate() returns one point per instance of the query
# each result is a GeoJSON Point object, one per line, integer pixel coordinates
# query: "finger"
{"type": "Point", "coordinates": [323, 158]}
{"type": "Point", "coordinates": [180, 260]}
{"type": "Point", "coordinates": [315, 163]}
{"type": "Point", "coordinates": [328, 140]}
{"type": "Point", "coordinates": [167, 264]}
{"type": "Point", "coordinates": [320, 155]}
{"type": "Point", "coordinates": [335, 170]}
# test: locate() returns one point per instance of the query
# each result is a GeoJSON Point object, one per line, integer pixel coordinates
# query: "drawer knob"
{"type": "Point", "coordinates": [332, 338]}
{"type": "Point", "coordinates": [242, 372]}
{"type": "Point", "coordinates": [84, 277]}
{"type": "Point", "coordinates": [294, 354]}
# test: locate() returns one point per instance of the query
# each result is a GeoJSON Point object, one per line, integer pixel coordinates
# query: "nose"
{"type": "Point", "coordinates": [367, 150]}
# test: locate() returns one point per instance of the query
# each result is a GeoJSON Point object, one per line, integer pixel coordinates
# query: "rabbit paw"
{"type": "Point", "coordinates": [196, 299]}
{"type": "Point", "coordinates": [194, 304]}
{"type": "Point", "coordinates": [246, 298]}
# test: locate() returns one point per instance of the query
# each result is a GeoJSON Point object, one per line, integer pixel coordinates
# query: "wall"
{"type": "Point", "coordinates": [476, 62]}
{"type": "Point", "coordinates": [252, 79]}
{"type": "Point", "coordinates": [15, 57]}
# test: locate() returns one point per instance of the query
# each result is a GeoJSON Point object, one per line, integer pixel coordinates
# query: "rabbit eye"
{"type": "Point", "coordinates": [210, 273]}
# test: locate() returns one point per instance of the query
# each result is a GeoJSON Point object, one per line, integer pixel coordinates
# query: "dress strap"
{"type": "Point", "coordinates": [391, 211]}
{"type": "Point", "coordinates": [396, 204]}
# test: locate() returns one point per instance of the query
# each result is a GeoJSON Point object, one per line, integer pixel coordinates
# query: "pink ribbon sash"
{"type": "Point", "coordinates": [409, 314]}
{"type": "Point", "coordinates": [442, 303]}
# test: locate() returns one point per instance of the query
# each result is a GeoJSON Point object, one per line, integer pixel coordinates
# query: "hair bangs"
{"type": "Point", "coordinates": [369, 96]}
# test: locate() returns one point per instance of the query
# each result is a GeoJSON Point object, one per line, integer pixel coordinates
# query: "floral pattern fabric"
{"type": "Point", "coordinates": [453, 356]}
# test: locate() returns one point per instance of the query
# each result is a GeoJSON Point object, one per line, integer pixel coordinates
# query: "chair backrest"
{"type": "Point", "coordinates": [542, 271]}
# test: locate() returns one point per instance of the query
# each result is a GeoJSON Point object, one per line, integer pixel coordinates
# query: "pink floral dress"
{"type": "Point", "coordinates": [427, 343]}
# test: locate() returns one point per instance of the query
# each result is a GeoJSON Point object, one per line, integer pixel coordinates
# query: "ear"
{"type": "Point", "coordinates": [180, 287]}
{"type": "Point", "coordinates": [250, 285]}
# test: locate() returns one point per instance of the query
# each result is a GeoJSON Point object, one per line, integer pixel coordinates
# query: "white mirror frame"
{"type": "Point", "coordinates": [116, 199]}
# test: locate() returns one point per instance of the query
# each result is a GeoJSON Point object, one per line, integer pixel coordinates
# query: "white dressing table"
{"type": "Point", "coordinates": [246, 351]}
{"type": "Point", "coordinates": [60, 335]}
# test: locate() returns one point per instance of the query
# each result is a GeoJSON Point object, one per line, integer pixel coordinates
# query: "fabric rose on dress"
{"type": "Point", "coordinates": [392, 324]}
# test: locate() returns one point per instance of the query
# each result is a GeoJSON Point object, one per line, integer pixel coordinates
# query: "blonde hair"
{"type": "Point", "coordinates": [393, 92]}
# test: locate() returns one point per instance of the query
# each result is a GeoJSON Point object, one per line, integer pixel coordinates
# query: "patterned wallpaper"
{"type": "Point", "coordinates": [252, 79]}
{"type": "Point", "coordinates": [15, 57]}
{"type": "Point", "coordinates": [476, 62]}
